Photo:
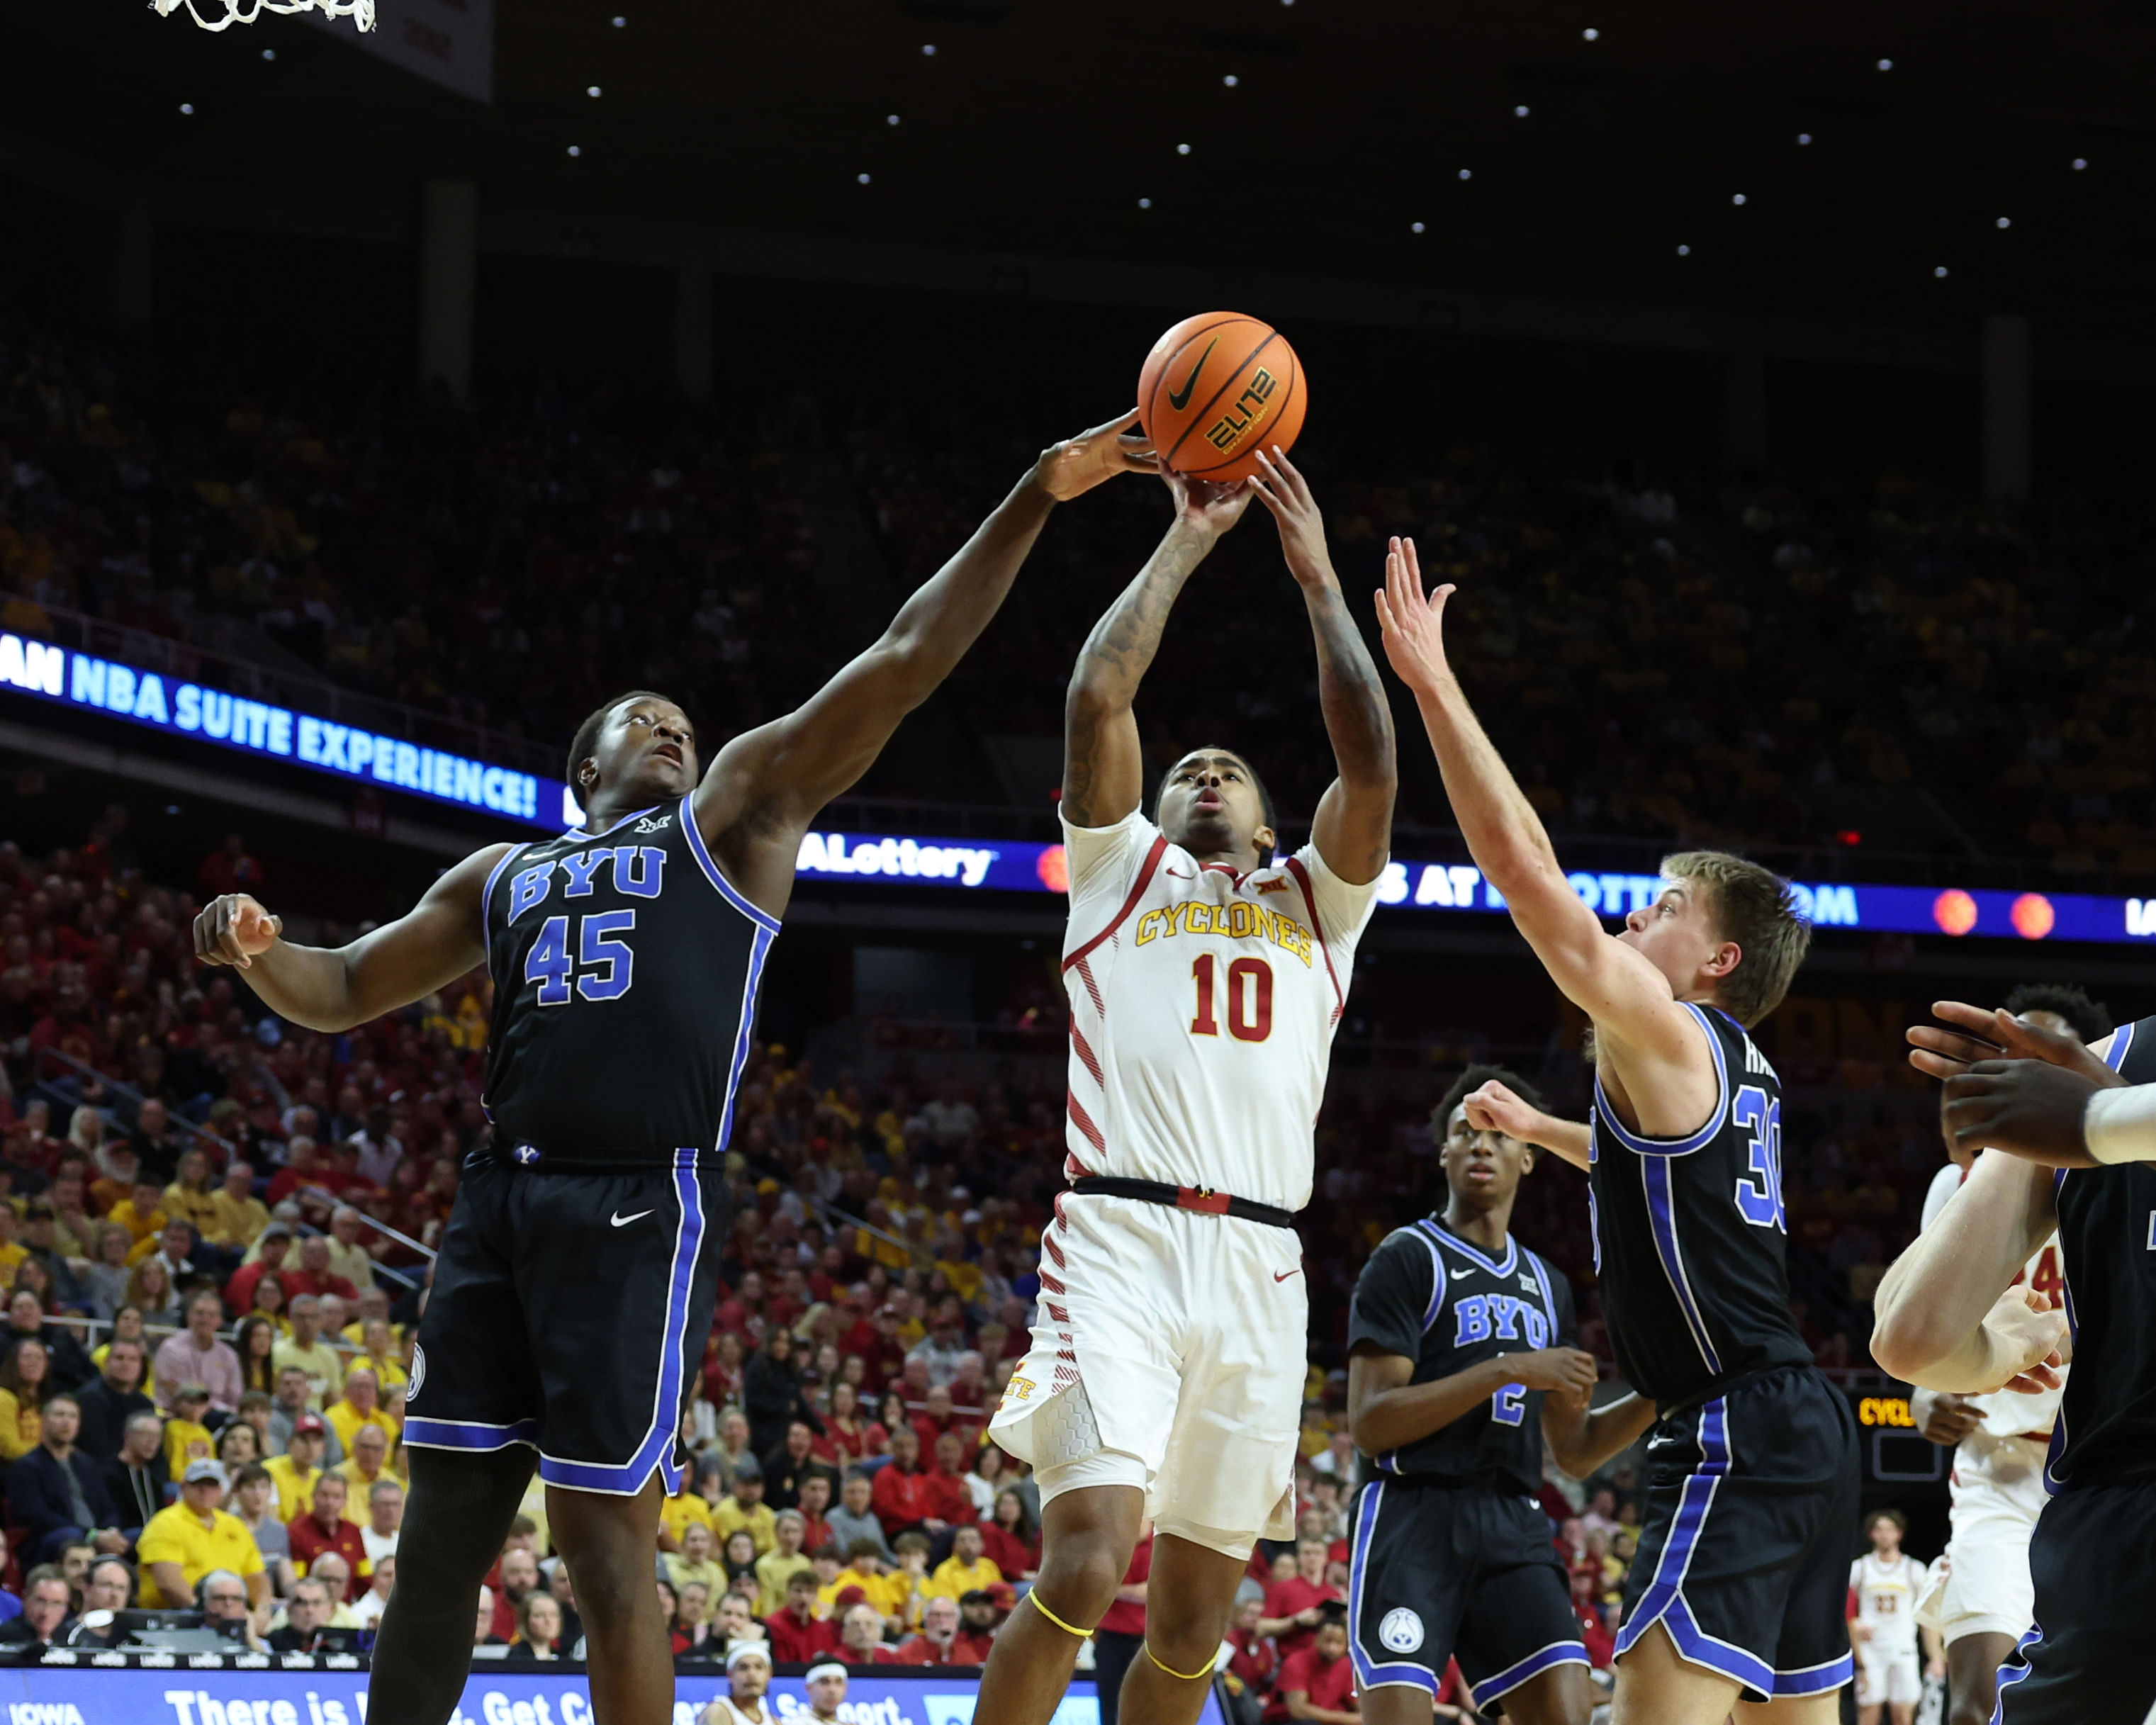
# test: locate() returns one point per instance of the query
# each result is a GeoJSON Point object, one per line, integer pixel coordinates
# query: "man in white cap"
{"type": "Point", "coordinates": [827, 1691]}
{"type": "Point", "coordinates": [748, 1675]}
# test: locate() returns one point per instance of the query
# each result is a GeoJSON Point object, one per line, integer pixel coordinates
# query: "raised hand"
{"type": "Point", "coordinates": [1496, 1108]}
{"type": "Point", "coordinates": [1280, 486]}
{"type": "Point", "coordinates": [2032, 1337]}
{"type": "Point", "coordinates": [1951, 1418]}
{"type": "Point", "coordinates": [2028, 1108]}
{"type": "Point", "coordinates": [1076, 466]}
{"type": "Point", "coordinates": [1210, 508]}
{"type": "Point", "coordinates": [233, 930]}
{"type": "Point", "coordinates": [1991, 1033]}
{"type": "Point", "coordinates": [1413, 626]}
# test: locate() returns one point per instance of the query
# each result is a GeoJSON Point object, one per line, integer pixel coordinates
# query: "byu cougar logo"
{"type": "Point", "coordinates": [648, 825]}
{"type": "Point", "coordinates": [419, 1371]}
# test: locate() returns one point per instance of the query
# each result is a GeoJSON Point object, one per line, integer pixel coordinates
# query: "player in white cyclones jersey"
{"type": "Point", "coordinates": [1884, 1586]}
{"type": "Point", "coordinates": [1205, 979]}
{"type": "Point", "coordinates": [1981, 1599]}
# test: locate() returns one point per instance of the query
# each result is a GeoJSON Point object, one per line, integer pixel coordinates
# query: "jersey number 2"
{"type": "Point", "coordinates": [608, 964]}
{"type": "Point", "coordinates": [1250, 999]}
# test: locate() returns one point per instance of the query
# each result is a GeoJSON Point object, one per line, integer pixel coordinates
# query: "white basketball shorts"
{"type": "Point", "coordinates": [1169, 1354]}
{"type": "Point", "coordinates": [1998, 1494]}
{"type": "Point", "coordinates": [1890, 1677]}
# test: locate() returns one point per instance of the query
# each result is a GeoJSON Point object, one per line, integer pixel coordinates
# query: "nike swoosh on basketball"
{"type": "Point", "coordinates": [1179, 399]}
{"type": "Point", "coordinates": [1283, 1275]}
{"type": "Point", "coordinates": [622, 1221]}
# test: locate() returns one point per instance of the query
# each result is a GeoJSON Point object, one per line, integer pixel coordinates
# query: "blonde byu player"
{"type": "Point", "coordinates": [1168, 1362]}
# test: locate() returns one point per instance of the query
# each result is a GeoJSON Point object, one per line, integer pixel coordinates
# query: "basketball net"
{"type": "Point", "coordinates": [245, 12]}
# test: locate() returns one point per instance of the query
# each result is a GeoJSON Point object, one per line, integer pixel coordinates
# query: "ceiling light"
{"type": "Point", "coordinates": [928, 48]}
{"type": "Point", "coordinates": [2080, 163]}
{"type": "Point", "coordinates": [1885, 65]}
{"type": "Point", "coordinates": [1938, 272]}
{"type": "Point", "coordinates": [1466, 173]}
{"type": "Point", "coordinates": [1183, 149]}
{"type": "Point", "coordinates": [591, 90]}
{"type": "Point", "coordinates": [620, 22]}
{"type": "Point", "coordinates": [891, 119]}
{"type": "Point", "coordinates": [1414, 227]}
{"type": "Point", "coordinates": [186, 107]}
{"type": "Point", "coordinates": [1520, 112]}
{"type": "Point", "coordinates": [1591, 33]}
{"type": "Point", "coordinates": [1684, 251]}
{"type": "Point", "coordinates": [2006, 221]}
{"type": "Point", "coordinates": [575, 150]}
{"type": "Point", "coordinates": [861, 179]}
{"type": "Point", "coordinates": [1145, 203]}
{"type": "Point", "coordinates": [1804, 137]}
{"type": "Point", "coordinates": [1739, 198]}
{"type": "Point", "coordinates": [1231, 80]}
{"type": "Point", "coordinates": [268, 54]}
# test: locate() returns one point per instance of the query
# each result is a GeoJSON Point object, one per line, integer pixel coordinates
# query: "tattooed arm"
{"type": "Point", "coordinates": [1103, 769]}
{"type": "Point", "coordinates": [1354, 830]}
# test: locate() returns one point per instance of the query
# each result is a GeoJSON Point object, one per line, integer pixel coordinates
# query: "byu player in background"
{"type": "Point", "coordinates": [625, 956]}
{"type": "Point", "coordinates": [1741, 1580]}
{"type": "Point", "coordinates": [1980, 1600]}
{"type": "Point", "coordinates": [1204, 981]}
{"type": "Point", "coordinates": [1460, 1364]}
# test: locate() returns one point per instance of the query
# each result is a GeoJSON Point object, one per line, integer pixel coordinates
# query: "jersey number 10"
{"type": "Point", "coordinates": [1249, 1002]}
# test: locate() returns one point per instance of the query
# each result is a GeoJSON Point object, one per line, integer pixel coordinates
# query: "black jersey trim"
{"type": "Point", "coordinates": [581, 833]}
{"type": "Point", "coordinates": [727, 890]}
{"type": "Point", "coordinates": [1646, 1146]}
{"type": "Point", "coordinates": [1662, 1224]}
{"type": "Point", "coordinates": [1438, 1229]}
{"type": "Point", "coordinates": [759, 953]}
{"type": "Point", "coordinates": [486, 899]}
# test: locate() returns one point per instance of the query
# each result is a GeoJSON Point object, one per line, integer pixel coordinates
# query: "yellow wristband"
{"type": "Point", "coordinates": [1068, 1628]}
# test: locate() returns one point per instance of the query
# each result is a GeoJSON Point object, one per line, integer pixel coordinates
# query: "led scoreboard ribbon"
{"type": "Point", "coordinates": [69, 678]}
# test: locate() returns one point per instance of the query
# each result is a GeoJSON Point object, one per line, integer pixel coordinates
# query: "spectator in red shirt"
{"type": "Point", "coordinates": [1319, 1683]}
{"type": "Point", "coordinates": [861, 1640]}
{"type": "Point", "coordinates": [313, 1275]}
{"type": "Point", "coordinates": [906, 1499]}
{"type": "Point", "coordinates": [941, 1415]}
{"type": "Point", "coordinates": [276, 1240]}
{"type": "Point", "coordinates": [796, 1634]}
{"type": "Point", "coordinates": [230, 869]}
{"type": "Point", "coordinates": [1010, 1541]}
{"type": "Point", "coordinates": [1255, 1661]}
{"type": "Point", "coordinates": [324, 1528]}
{"type": "Point", "coordinates": [1291, 1606]}
{"type": "Point", "coordinates": [847, 1428]}
{"type": "Point", "coordinates": [977, 1618]}
{"type": "Point", "coordinates": [815, 1501]}
{"type": "Point", "coordinates": [954, 1499]}
{"type": "Point", "coordinates": [303, 1166]}
{"type": "Point", "coordinates": [937, 1642]}
{"type": "Point", "coordinates": [971, 1391]}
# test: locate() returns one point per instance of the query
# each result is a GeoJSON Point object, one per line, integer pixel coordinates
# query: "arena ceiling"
{"type": "Point", "coordinates": [1569, 148]}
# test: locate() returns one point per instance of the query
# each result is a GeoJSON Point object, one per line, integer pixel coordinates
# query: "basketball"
{"type": "Point", "coordinates": [1216, 390]}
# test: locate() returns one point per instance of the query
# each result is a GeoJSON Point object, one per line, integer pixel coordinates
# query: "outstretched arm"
{"type": "Point", "coordinates": [768, 784]}
{"type": "Point", "coordinates": [1581, 1438]}
{"type": "Point", "coordinates": [429, 947]}
{"type": "Point", "coordinates": [1385, 1411]}
{"type": "Point", "coordinates": [1103, 770]}
{"type": "Point", "coordinates": [1354, 830]}
{"type": "Point", "coordinates": [1497, 1107]}
{"type": "Point", "coordinates": [1629, 999]}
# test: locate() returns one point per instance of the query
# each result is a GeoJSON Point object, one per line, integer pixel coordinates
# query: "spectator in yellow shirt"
{"type": "Point", "coordinates": [298, 1467]}
{"type": "Point", "coordinates": [746, 1510]}
{"type": "Point", "coordinates": [693, 1562]}
{"type": "Point", "coordinates": [891, 1591]}
{"type": "Point", "coordinates": [777, 1567]}
{"type": "Point", "coordinates": [965, 1569]}
{"type": "Point", "coordinates": [140, 1213]}
{"type": "Point", "coordinates": [368, 1463]}
{"type": "Point", "coordinates": [361, 1405]}
{"type": "Point", "coordinates": [12, 1254]}
{"type": "Point", "coordinates": [189, 1198]}
{"type": "Point", "coordinates": [186, 1438]}
{"type": "Point", "coordinates": [686, 1509]}
{"type": "Point", "coordinates": [25, 1382]}
{"type": "Point", "coordinates": [237, 1216]}
{"type": "Point", "coordinates": [186, 1542]}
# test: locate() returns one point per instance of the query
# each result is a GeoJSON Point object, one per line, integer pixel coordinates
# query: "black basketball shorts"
{"type": "Point", "coordinates": [1440, 1572]}
{"type": "Point", "coordinates": [1752, 1508]}
{"type": "Point", "coordinates": [569, 1312]}
{"type": "Point", "coordinates": [2086, 1661]}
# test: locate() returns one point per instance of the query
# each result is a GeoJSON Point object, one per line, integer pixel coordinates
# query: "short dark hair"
{"type": "Point", "coordinates": [1265, 796]}
{"type": "Point", "coordinates": [588, 734]}
{"type": "Point", "coordinates": [1900, 1520]}
{"type": "Point", "coordinates": [2090, 1019]}
{"type": "Point", "coordinates": [1472, 1080]}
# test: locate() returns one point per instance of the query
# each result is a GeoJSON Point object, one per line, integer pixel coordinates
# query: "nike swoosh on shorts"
{"type": "Point", "coordinates": [622, 1221]}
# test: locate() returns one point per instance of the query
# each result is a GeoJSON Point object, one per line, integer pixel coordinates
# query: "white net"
{"type": "Point", "coordinates": [245, 12]}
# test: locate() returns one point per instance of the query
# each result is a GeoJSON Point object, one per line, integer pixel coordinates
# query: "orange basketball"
{"type": "Point", "coordinates": [1216, 389]}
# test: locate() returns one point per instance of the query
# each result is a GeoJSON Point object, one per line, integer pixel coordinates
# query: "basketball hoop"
{"type": "Point", "coordinates": [245, 12]}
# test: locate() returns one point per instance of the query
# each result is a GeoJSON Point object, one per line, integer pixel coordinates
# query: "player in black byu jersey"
{"type": "Point", "coordinates": [2080, 1125]}
{"type": "Point", "coordinates": [1743, 1571]}
{"type": "Point", "coordinates": [1461, 1363]}
{"type": "Point", "coordinates": [577, 1274]}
